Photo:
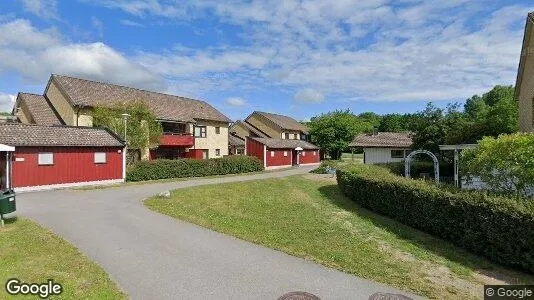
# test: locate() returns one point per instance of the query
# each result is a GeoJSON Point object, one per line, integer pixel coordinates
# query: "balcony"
{"type": "Point", "coordinates": [177, 139]}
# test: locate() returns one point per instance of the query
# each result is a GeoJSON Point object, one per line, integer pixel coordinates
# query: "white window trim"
{"type": "Point", "coordinates": [100, 157]}
{"type": "Point", "coordinates": [45, 158]}
{"type": "Point", "coordinates": [217, 152]}
{"type": "Point", "coordinates": [272, 153]}
{"type": "Point", "coordinates": [285, 153]}
{"type": "Point", "coordinates": [303, 153]}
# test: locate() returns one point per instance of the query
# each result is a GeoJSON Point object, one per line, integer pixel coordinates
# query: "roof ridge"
{"type": "Point", "coordinates": [42, 125]}
{"type": "Point", "coordinates": [129, 87]}
{"type": "Point", "coordinates": [33, 94]}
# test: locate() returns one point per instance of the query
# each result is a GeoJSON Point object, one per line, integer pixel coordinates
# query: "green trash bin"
{"type": "Point", "coordinates": [7, 202]}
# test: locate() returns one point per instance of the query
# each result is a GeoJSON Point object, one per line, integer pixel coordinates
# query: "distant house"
{"type": "Point", "coordinates": [269, 125]}
{"type": "Point", "coordinates": [236, 145]}
{"type": "Point", "coordinates": [524, 88]}
{"type": "Point", "coordinates": [62, 156]}
{"type": "Point", "coordinates": [192, 128]}
{"type": "Point", "coordinates": [282, 153]}
{"type": "Point", "coordinates": [383, 147]}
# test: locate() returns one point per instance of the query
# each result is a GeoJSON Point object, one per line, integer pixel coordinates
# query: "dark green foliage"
{"type": "Point", "coordinates": [180, 168]}
{"type": "Point", "coordinates": [324, 164]}
{"type": "Point", "coordinates": [499, 228]}
{"type": "Point", "coordinates": [418, 167]}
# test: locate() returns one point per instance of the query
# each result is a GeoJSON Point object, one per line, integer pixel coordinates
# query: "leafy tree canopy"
{"type": "Point", "coordinates": [334, 131]}
{"type": "Point", "coordinates": [143, 130]}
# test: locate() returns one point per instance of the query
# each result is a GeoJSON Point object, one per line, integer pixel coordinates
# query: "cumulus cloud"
{"type": "Point", "coordinates": [42, 52]}
{"type": "Point", "coordinates": [308, 95]}
{"type": "Point", "coordinates": [373, 50]}
{"type": "Point", "coordinates": [131, 23]}
{"type": "Point", "coordinates": [46, 9]}
{"type": "Point", "coordinates": [236, 101]}
{"type": "Point", "coordinates": [6, 102]}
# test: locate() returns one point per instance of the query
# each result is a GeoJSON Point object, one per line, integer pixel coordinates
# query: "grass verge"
{"type": "Point", "coordinates": [307, 216]}
{"type": "Point", "coordinates": [33, 254]}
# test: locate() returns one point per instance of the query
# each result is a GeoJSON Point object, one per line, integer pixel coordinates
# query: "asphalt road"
{"type": "Point", "coordinates": [152, 256]}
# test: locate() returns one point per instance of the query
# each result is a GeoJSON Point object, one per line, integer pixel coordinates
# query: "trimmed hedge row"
{"type": "Point", "coordinates": [499, 228]}
{"type": "Point", "coordinates": [418, 167]}
{"type": "Point", "coordinates": [180, 168]}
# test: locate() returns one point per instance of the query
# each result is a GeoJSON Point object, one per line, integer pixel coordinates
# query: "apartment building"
{"type": "Point", "coordinates": [191, 128]}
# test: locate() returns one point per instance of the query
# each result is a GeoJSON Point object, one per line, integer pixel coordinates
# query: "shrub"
{"type": "Point", "coordinates": [418, 167]}
{"type": "Point", "coordinates": [505, 163]}
{"type": "Point", "coordinates": [499, 228]}
{"type": "Point", "coordinates": [180, 168]}
{"type": "Point", "coordinates": [324, 164]}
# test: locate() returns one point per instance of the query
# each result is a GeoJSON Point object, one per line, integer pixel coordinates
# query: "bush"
{"type": "Point", "coordinates": [180, 168]}
{"type": "Point", "coordinates": [505, 163]}
{"type": "Point", "coordinates": [324, 164]}
{"type": "Point", "coordinates": [418, 167]}
{"type": "Point", "coordinates": [499, 228]}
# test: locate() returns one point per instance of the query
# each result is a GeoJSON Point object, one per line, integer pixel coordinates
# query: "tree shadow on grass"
{"type": "Point", "coordinates": [426, 241]}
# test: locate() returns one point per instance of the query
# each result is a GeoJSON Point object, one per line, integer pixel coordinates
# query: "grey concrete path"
{"type": "Point", "coordinates": [152, 256]}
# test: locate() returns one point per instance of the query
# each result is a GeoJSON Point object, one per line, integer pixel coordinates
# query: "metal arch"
{"type": "Point", "coordinates": [408, 163]}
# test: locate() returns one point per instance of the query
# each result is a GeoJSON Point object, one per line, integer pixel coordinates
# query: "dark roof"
{"type": "Point", "coordinates": [250, 128]}
{"type": "Point", "coordinates": [235, 141]}
{"type": "Point", "coordinates": [383, 140]}
{"type": "Point", "coordinates": [285, 144]}
{"type": "Point", "coordinates": [83, 92]}
{"type": "Point", "coordinates": [40, 109]}
{"type": "Point", "coordinates": [17, 134]}
{"type": "Point", "coordinates": [284, 122]}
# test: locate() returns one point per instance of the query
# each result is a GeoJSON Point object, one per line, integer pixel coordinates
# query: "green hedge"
{"type": "Point", "coordinates": [180, 168]}
{"type": "Point", "coordinates": [501, 229]}
{"type": "Point", "coordinates": [418, 167]}
{"type": "Point", "coordinates": [321, 169]}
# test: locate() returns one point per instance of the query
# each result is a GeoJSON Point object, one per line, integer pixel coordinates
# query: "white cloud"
{"type": "Point", "coordinates": [42, 52]}
{"type": "Point", "coordinates": [131, 23]}
{"type": "Point", "coordinates": [6, 102]}
{"type": "Point", "coordinates": [309, 95]}
{"type": "Point", "coordinates": [46, 9]}
{"type": "Point", "coordinates": [236, 101]}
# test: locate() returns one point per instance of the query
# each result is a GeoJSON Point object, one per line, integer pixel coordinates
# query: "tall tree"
{"type": "Point", "coordinates": [334, 131]}
{"type": "Point", "coordinates": [429, 129]}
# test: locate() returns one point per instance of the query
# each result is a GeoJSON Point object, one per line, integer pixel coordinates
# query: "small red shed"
{"type": "Point", "coordinates": [282, 153]}
{"type": "Point", "coordinates": [48, 157]}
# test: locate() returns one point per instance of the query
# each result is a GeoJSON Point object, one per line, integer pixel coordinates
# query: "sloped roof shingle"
{"type": "Point", "coordinates": [285, 144]}
{"type": "Point", "coordinates": [39, 108]}
{"type": "Point", "coordinates": [235, 141]}
{"type": "Point", "coordinates": [284, 122]}
{"type": "Point", "coordinates": [17, 134]}
{"type": "Point", "coordinates": [83, 92]}
{"type": "Point", "coordinates": [383, 140]}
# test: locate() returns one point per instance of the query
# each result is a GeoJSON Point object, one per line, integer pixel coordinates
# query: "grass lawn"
{"type": "Point", "coordinates": [358, 157]}
{"type": "Point", "coordinates": [307, 216]}
{"type": "Point", "coordinates": [33, 254]}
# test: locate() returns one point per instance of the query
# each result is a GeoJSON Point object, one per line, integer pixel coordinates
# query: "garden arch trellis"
{"type": "Point", "coordinates": [408, 163]}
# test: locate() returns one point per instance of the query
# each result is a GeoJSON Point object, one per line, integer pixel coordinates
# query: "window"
{"type": "Point", "coordinates": [218, 130]}
{"type": "Point", "coordinates": [314, 153]}
{"type": "Point", "coordinates": [294, 136]}
{"type": "Point", "coordinates": [287, 136]}
{"type": "Point", "coordinates": [100, 157]}
{"type": "Point", "coordinates": [272, 153]}
{"type": "Point", "coordinates": [303, 153]}
{"type": "Point", "coordinates": [285, 153]}
{"type": "Point", "coordinates": [200, 131]}
{"type": "Point", "coordinates": [217, 152]}
{"type": "Point", "coordinates": [397, 153]}
{"type": "Point", "coordinates": [45, 159]}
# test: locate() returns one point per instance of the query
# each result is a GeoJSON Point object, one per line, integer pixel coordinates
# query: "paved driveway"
{"type": "Point", "coordinates": [153, 256]}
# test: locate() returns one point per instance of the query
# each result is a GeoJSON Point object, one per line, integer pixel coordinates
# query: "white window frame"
{"type": "Point", "coordinates": [303, 153]}
{"type": "Point", "coordinates": [397, 156]}
{"type": "Point", "coordinates": [272, 153]}
{"type": "Point", "coordinates": [100, 158]}
{"type": "Point", "coordinates": [45, 158]}
{"type": "Point", "coordinates": [203, 131]}
{"type": "Point", "coordinates": [217, 130]}
{"type": "Point", "coordinates": [285, 153]}
{"type": "Point", "coordinates": [314, 154]}
{"type": "Point", "coordinates": [217, 152]}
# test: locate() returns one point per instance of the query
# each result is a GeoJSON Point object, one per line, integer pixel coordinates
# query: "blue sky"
{"type": "Point", "coordinates": [293, 57]}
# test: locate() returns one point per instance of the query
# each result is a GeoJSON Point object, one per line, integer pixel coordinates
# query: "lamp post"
{"type": "Point", "coordinates": [125, 121]}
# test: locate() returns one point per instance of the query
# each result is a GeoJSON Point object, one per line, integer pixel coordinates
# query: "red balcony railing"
{"type": "Point", "coordinates": [177, 139]}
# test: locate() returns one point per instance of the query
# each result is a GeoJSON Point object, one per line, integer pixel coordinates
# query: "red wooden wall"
{"type": "Point", "coordinates": [194, 153]}
{"type": "Point", "coordinates": [255, 148]}
{"type": "Point", "coordinates": [279, 159]}
{"type": "Point", "coordinates": [71, 164]}
{"type": "Point", "coordinates": [307, 157]}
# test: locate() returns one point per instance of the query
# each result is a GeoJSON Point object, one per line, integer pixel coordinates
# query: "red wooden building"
{"type": "Point", "coordinates": [281, 153]}
{"type": "Point", "coordinates": [62, 156]}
